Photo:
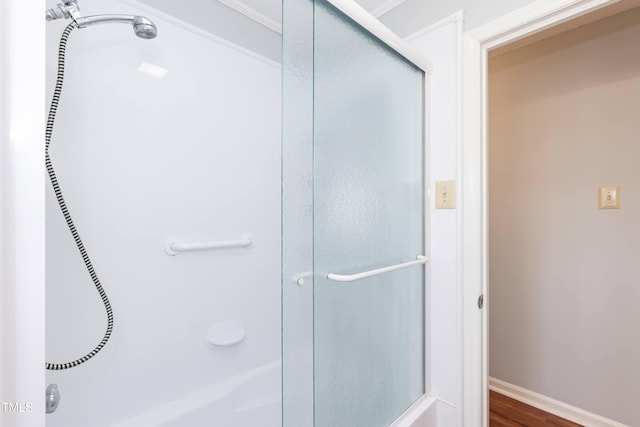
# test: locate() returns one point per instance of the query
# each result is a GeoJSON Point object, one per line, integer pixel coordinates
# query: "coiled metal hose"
{"type": "Point", "coordinates": [65, 211]}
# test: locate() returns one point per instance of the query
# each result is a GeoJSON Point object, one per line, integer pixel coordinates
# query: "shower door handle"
{"type": "Point", "coordinates": [420, 259]}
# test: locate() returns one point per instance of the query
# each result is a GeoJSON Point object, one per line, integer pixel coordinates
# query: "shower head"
{"type": "Point", "coordinates": [142, 27]}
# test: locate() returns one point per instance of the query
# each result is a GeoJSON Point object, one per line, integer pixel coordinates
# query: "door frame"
{"type": "Point", "coordinates": [535, 17]}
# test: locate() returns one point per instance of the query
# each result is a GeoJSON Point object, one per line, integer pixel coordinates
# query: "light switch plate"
{"type": "Point", "coordinates": [445, 194]}
{"type": "Point", "coordinates": [609, 197]}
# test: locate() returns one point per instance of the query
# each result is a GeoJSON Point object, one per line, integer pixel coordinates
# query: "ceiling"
{"type": "Point", "coordinates": [252, 24]}
{"type": "Point", "coordinates": [272, 9]}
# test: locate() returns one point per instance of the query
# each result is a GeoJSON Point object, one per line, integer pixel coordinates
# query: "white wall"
{"type": "Point", "coordinates": [440, 45]}
{"type": "Point", "coordinates": [219, 19]}
{"type": "Point", "coordinates": [21, 214]}
{"type": "Point", "coordinates": [563, 274]}
{"type": "Point", "coordinates": [193, 156]}
{"type": "Point", "coordinates": [411, 15]}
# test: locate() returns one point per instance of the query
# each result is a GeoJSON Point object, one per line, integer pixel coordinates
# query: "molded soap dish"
{"type": "Point", "coordinates": [226, 334]}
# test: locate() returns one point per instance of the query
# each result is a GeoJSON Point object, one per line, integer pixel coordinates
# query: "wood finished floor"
{"type": "Point", "coordinates": [507, 412]}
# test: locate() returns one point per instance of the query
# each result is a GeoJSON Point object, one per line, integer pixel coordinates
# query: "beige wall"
{"type": "Point", "coordinates": [565, 276]}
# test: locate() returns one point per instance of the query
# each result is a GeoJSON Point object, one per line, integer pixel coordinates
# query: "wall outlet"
{"type": "Point", "coordinates": [445, 194]}
{"type": "Point", "coordinates": [609, 197]}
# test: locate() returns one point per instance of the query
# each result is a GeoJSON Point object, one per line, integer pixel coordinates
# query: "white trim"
{"type": "Point", "coordinates": [386, 7]}
{"type": "Point", "coordinates": [198, 31]}
{"type": "Point", "coordinates": [426, 182]}
{"type": "Point", "coordinates": [253, 14]}
{"type": "Point", "coordinates": [533, 18]}
{"type": "Point", "coordinates": [547, 404]}
{"type": "Point", "coordinates": [456, 17]}
{"type": "Point", "coordinates": [412, 416]}
{"type": "Point", "coordinates": [475, 409]}
{"type": "Point", "coordinates": [523, 22]}
{"type": "Point", "coordinates": [363, 18]}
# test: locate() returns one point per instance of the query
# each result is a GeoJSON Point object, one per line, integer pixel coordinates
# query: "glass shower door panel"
{"type": "Point", "coordinates": [297, 213]}
{"type": "Point", "coordinates": [368, 213]}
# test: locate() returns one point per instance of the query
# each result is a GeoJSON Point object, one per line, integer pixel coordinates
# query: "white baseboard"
{"type": "Point", "coordinates": [550, 405]}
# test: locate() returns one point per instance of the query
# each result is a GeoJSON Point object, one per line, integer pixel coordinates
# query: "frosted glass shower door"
{"type": "Point", "coordinates": [353, 205]}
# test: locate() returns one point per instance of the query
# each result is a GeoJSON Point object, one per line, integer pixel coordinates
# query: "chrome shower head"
{"type": "Point", "coordinates": [142, 27]}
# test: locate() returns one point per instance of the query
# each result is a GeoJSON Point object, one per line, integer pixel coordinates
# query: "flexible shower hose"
{"type": "Point", "coordinates": [65, 211]}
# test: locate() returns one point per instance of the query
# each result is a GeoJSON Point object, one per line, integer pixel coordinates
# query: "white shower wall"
{"type": "Point", "coordinates": [194, 156]}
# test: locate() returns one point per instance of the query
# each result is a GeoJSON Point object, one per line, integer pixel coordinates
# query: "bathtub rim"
{"type": "Point", "coordinates": [419, 414]}
{"type": "Point", "coordinates": [198, 398]}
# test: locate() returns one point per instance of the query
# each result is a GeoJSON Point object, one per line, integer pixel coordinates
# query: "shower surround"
{"type": "Point", "coordinates": [172, 138]}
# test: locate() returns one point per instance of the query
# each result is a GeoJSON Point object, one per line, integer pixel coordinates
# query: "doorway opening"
{"type": "Point", "coordinates": [560, 274]}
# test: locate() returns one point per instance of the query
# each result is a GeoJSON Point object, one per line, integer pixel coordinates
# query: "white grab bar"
{"type": "Point", "coordinates": [172, 248]}
{"type": "Point", "coordinates": [420, 259]}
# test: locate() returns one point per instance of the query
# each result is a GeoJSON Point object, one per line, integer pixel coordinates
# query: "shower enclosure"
{"type": "Point", "coordinates": [353, 221]}
{"type": "Point", "coordinates": [259, 222]}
